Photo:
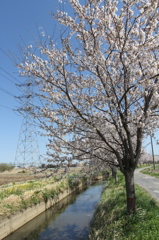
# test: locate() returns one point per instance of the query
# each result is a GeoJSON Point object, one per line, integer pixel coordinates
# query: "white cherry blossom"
{"type": "Point", "coordinates": [99, 92]}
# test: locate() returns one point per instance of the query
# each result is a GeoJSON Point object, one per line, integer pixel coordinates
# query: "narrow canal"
{"type": "Point", "coordinates": [70, 219]}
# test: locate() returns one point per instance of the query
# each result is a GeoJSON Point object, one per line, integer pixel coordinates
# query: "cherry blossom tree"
{"type": "Point", "coordinates": [98, 88]}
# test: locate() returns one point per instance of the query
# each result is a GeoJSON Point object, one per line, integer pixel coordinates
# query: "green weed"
{"type": "Point", "coordinates": [112, 222]}
{"type": "Point", "coordinates": [35, 198]}
{"type": "Point", "coordinates": [46, 195]}
{"type": "Point", "coordinates": [23, 204]}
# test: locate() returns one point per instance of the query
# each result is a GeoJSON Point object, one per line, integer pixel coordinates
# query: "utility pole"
{"type": "Point", "coordinates": [153, 157]}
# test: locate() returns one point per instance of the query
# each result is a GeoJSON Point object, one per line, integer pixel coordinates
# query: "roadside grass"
{"type": "Point", "coordinates": [151, 171]}
{"type": "Point", "coordinates": [143, 165]}
{"type": "Point", "coordinates": [111, 221]}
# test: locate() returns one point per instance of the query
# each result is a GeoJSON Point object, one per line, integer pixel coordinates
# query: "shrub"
{"type": "Point", "coordinates": [46, 195]}
{"type": "Point", "coordinates": [35, 198]}
{"type": "Point", "coordinates": [6, 167]}
{"type": "Point", "coordinates": [73, 182]}
{"type": "Point", "coordinates": [23, 204]}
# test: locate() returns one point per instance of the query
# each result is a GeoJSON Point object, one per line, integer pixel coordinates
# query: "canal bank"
{"type": "Point", "coordinates": [68, 219]}
{"type": "Point", "coordinates": [111, 220]}
{"type": "Point", "coordinates": [13, 222]}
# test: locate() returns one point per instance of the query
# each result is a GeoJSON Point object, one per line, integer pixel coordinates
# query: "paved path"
{"type": "Point", "coordinates": [149, 183]}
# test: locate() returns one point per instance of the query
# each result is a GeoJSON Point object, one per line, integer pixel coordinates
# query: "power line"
{"type": "Point", "coordinates": [6, 107]}
{"type": "Point", "coordinates": [7, 78]}
{"type": "Point", "coordinates": [10, 74]}
{"type": "Point", "coordinates": [3, 90]}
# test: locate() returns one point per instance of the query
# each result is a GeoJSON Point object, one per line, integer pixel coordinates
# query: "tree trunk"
{"type": "Point", "coordinates": [114, 174]}
{"type": "Point", "coordinates": [130, 192]}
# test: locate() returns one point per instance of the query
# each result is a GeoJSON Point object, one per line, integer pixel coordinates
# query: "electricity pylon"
{"type": "Point", "coordinates": [27, 153]}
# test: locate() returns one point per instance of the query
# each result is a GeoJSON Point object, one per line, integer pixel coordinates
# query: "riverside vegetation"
{"type": "Point", "coordinates": [17, 196]}
{"type": "Point", "coordinates": [112, 222]}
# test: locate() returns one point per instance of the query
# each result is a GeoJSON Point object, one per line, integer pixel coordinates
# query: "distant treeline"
{"type": "Point", "coordinates": [43, 165]}
{"type": "Point", "coordinates": [150, 162]}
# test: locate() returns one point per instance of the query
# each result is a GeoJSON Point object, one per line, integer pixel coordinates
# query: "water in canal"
{"type": "Point", "coordinates": [68, 220]}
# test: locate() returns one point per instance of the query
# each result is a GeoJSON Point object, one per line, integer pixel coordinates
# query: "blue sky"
{"type": "Point", "coordinates": [20, 19]}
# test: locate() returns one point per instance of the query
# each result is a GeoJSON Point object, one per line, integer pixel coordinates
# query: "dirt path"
{"type": "Point", "coordinates": [149, 183]}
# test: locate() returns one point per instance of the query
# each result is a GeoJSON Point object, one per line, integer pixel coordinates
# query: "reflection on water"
{"type": "Point", "coordinates": [68, 220]}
